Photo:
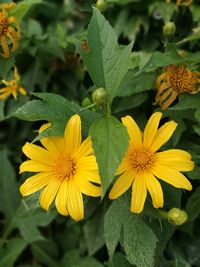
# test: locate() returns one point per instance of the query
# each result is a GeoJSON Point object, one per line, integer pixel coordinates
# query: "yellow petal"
{"type": "Point", "coordinates": [151, 129]}
{"type": "Point", "coordinates": [5, 46]}
{"type": "Point", "coordinates": [92, 176]}
{"type": "Point", "coordinates": [48, 194]}
{"type": "Point", "coordinates": [55, 145]}
{"type": "Point", "coordinates": [172, 177]}
{"type": "Point", "coordinates": [173, 154]}
{"type": "Point", "coordinates": [139, 193]}
{"type": "Point", "coordinates": [73, 134]}
{"type": "Point", "coordinates": [179, 164]}
{"type": "Point", "coordinates": [163, 135]}
{"type": "Point", "coordinates": [33, 166]}
{"type": "Point", "coordinates": [85, 149]}
{"type": "Point", "coordinates": [75, 202]}
{"type": "Point", "coordinates": [61, 198]}
{"type": "Point", "coordinates": [86, 187]}
{"type": "Point", "coordinates": [35, 183]}
{"type": "Point", "coordinates": [87, 163]}
{"type": "Point", "coordinates": [22, 91]}
{"type": "Point", "coordinates": [122, 184]}
{"type": "Point", "coordinates": [133, 131]}
{"type": "Point", "coordinates": [155, 190]}
{"type": "Point", "coordinates": [38, 154]}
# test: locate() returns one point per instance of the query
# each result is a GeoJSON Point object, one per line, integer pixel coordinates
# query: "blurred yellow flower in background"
{"type": "Point", "coordinates": [66, 167]}
{"type": "Point", "coordinates": [142, 163]}
{"type": "Point", "coordinates": [173, 81]}
{"type": "Point", "coordinates": [13, 87]}
{"type": "Point", "coordinates": [9, 30]}
{"type": "Point", "coordinates": [181, 2]}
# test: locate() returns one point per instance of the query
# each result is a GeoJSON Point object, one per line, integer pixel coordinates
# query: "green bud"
{"type": "Point", "coordinates": [86, 102]}
{"type": "Point", "coordinates": [99, 96]}
{"type": "Point", "coordinates": [101, 5]}
{"type": "Point", "coordinates": [177, 216]}
{"type": "Point", "coordinates": [169, 29]}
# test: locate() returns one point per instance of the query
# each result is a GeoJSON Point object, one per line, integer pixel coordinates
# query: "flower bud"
{"type": "Point", "coordinates": [101, 5]}
{"type": "Point", "coordinates": [169, 29]}
{"type": "Point", "coordinates": [177, 216]}
{"type": "Point", "coordinates": [99, 96]}
{"type": "Point", "coordinates": [86, 102]}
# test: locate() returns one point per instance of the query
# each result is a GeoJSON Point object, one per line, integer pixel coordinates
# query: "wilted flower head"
{"type": "Point", "coordinates": [13, 87]}
{"type": "Point", "coordinates": [9, 30]}
{"type": "Point", "coordinates": [173, 81]}
{"type": "Point", "coordinates": [181, 2]}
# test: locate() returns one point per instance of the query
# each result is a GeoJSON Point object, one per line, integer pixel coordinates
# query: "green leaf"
{"type": "Point", "coordinates": [6, 65]}
{"type": "Point", "coordinates": [10, 253]}
{"type": "Point", "coordinates": [133, 83]}
{"type": "Point", "coordinates": [22, 8]}
{"type": "Point", "coordinates": [119, 260]}
{"type": "Point", "coordinates": [73, 259]}
{"type": "Point", "coordinates": [194, 36]}
{"type": "Point", "coordinates": [114, 218]}
{"type": "Point", "coordinates": [9, 196]}
{"type": "Point", "coordinates": [110, 142]}
{"type": "Point", "coordinates": [187, 101]}
{"type": "Point", "coordinates": [139, 242]}
{"type": "Point", "coordinates": [55, 109]}
{"type": "Point", "coordinates": [192, 207]}
{"type": "Point", "coordinates": [159, 59]}
{"type": "Point", "coordinates": [93, 231]}
{"type": "Point", "coordinates": [106, 61]}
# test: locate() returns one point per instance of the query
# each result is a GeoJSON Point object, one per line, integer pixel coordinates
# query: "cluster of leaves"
{"type": "Point", "coordinates": [60, 73]}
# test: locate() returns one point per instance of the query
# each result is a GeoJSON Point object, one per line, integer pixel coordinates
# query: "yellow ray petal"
{"type": "Point", "coordinates": [86, 187]}
{"type": "Point", "coordinates": [173, 154]}
{"type": "Point", "coordinates": [35, 183]}
{"type": "Point", "coordinates": [177, 164]}
{"type": "Point", "coordinates": [133, 131]}
{"type": "Point", "coordinates": [139, 193]}
{"type": "Point", "coordinates": [61, 198]}
{"type": "Point", "coordinates": [163, 135]}
{"type": "Point", "coordinates": [33, 166]}
{"type": "Point", "coordinates": [151, 129]}
{"type": "Point", "coordinates": [172, 177]}
{"type": "Point", "coordinates": [122, 184]}
{"type": "Point", "coordinates": [48, 194]}
{"type": "Point", "coordinates": [155, 190]}
{"type": "Point", "coordinates": [87, 163]}
{"type": "Point", "coordinates": [5, 95]}
{"type": "Point", "coordinates": [85, 149]}
{"type": "Point", "coordinates": [91, 176]}
{"type": "Point", "coordinates": [122, 167]}
{"type": "Point", "coordinates": [170, 100]}
{"type": "Point", "coordinates": [73, 134]}
{"type": "Point", "coordinates": [75, 202]}
{"type": "Point", "coordinates": [38, 154]}
{"type": "Point", "coordinates": [5, 47]}
{"type": "Point", "coordinates": [55, 145]}
{"type": "Point", "coordinates": [14, 93]}
{"type": "Point", "coordinates": [22, 91]}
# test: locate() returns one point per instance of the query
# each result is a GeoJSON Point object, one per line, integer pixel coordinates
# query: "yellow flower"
{"type": "Point", "coordinates": [65, 168]}
{"type": "Point", "coordinates": [181, 2]}
{"type": "Point", "coordinates": [9, 30]}
{"type": "Point", "coordinates": [142, 163]}
{"type": "Point", "coordinates": [13, 87]}
{"type": "Point", "coordinates": [174, 81]}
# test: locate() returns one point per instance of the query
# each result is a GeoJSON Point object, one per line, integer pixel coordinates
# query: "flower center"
{"type": "Point", "coordinates": [181, 79]}
{"type": "Point", "coordinates": [141, 158]}
{"type": "Point", "coordinates": [64, 168]}
{"type": "Point", "coordinates": [3, 25]}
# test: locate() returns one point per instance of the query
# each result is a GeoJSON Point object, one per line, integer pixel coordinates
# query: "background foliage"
{"type": "Point", "coordinates": [125, 54]}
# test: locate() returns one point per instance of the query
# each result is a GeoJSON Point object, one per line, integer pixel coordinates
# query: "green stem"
{"type": "Point", "coordinates": [90, 106]}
